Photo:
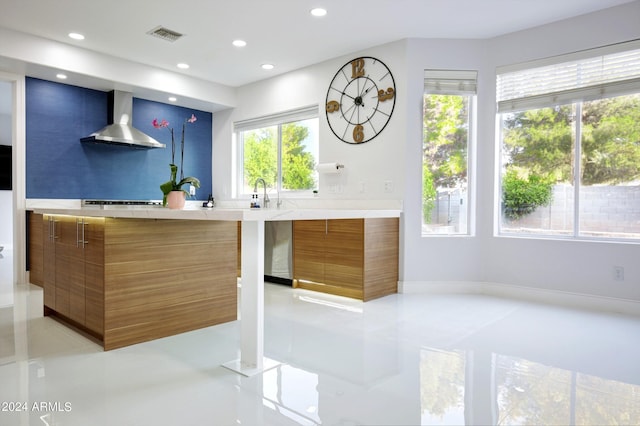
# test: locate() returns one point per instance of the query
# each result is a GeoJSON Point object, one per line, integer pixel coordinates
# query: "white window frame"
{"type": "Point", "coordinates": [573, 78]}
{"type": "Point", "coordinates": [304, 113]}
{"type": "Point", "coordinates": [461, 83]}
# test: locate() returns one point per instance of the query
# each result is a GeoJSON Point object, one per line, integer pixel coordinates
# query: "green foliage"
{"type": "Point", "coordinates": [445, 139]}
{"type": "Point", "coordinates": [611, 140]}
{"type": "Point", "coordinates": [297, 165]}
{"type": "Point", "coordinates": [428, 194]}
{"type": "Point", "coordinates": [261, 157]}
{"type": "Point", "coordinates": [445, 146]}
{"type": "Point", "coordinates": [541, 141]}
{"type": "Point", "coordinates": [521, 196]}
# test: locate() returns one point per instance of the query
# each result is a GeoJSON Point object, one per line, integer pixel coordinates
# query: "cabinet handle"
{"type": "Point", "coordinates": [53, 227]}
{"type": "Point", "coordinates": [80, 235]}
{"type": "Point", "coordinates": [84, 242]}
{"type": "Point", "coordinates": [326, 227]}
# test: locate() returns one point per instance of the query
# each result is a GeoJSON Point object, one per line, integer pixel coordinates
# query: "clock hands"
{"type": "Point", "coordinates": [360, 98]}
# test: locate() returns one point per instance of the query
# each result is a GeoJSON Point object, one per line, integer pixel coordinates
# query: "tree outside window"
{"type": "Point", "coordinates": [445, 163]}
{"type": "Point", "coordinates": [570, 145]}
{"type": "Point", "coordinates": [284, 155]}
{"type": "Point", "coordinates": [540, 172]}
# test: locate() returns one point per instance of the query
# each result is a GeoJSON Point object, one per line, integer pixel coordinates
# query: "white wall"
{"type": "Point", "coordinates": [437, 259]}
{"type": "Point", "coordinates": [371, 164]}
{"type": "Point", "coordinates": [563, 266]}
{"type": "Point", "coordinates": [575, 267]}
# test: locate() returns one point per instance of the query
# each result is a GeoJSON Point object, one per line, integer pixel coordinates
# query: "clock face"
{"type": "Point", "coordinates": [360, 100]}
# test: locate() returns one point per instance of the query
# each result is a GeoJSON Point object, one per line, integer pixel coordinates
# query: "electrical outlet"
{"type": "Point", "coordinates": [388, 186]}
{"type": "Point", "coordinates": [192, 190]}
{"type": "Point", "coordinates": [618, 273]}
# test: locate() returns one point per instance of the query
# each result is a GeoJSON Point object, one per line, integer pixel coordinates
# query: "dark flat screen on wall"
{"type": "Point", "coordinates": [5, 167]}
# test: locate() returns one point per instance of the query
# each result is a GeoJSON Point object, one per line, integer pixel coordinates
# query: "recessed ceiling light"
{"type": "Point", "coordinates": [239, 43]}
{"type": "Point", "coordinates": [76, 36]}
{"type": "Point", "coordinates": [172, 98]}
{"type": "Point", "coordinates": [267, 66]}
{"type": "Point", "coordinates": [183, 66]}
{"type": "Point", "coordinates": [318, 11]}
{"type": "Point", "coordinates": [61, 76]}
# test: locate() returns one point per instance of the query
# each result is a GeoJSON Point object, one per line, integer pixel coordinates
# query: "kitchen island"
{"type": "Point", "coordinates": [211, 236]}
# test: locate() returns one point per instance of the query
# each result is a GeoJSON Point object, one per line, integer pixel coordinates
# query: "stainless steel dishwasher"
{"type": "Point", "coordinates": [278, 250]}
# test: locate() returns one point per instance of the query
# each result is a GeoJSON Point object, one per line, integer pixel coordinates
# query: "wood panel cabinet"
{"type": "Point", "coordinates": [49, 234]}
{"type": "Point", "coordinates": [36, 250]}
{"type": "Point", "coordinates": [126, 281]}
{"type": "Point", "coordinates": [66, 265]}
{"type": "Point", "coordinates": [164, 277]}
{"type": "Point", "coordinates": [349, 257]}
{"type": "Point", "coordinates": [94, 263]}
{"type": "Point", "coordinates": [309, 247]}
{"type": "Point", "coordinates": [74, 269]}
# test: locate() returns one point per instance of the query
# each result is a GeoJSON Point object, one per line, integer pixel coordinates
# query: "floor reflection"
{"type": "Point", "coordinates": [400, 360]}
{"type": "Point", "coordinates": [293, 393]}
{"type": "Point", "coordinates": [442, 387]}
{"type": "Point", "coordinates": [454, 389]}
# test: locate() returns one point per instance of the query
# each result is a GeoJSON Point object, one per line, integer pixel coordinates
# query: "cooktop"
{"type": "Point", "coordinates": [121, 203]}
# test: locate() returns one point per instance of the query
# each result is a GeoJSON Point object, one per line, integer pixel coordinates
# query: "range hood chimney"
{"type": "Point", "coordinates": [119, 131]}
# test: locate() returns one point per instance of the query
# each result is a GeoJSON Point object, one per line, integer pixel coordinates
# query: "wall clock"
{"type": "Point", "coordinates": [360, 100]}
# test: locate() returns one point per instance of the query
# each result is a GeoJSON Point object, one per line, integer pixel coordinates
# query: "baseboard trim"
{"type": "Point", "coordinates": [552, 297]}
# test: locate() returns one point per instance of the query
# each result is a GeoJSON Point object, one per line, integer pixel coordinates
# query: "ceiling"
{"type": "Point", "coordinates": [280, 32]}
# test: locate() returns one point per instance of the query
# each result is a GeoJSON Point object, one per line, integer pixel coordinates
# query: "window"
{"type": "Point", "coordinates": [281, 149]}
{"type": "Point", "coordinates": [570, 147]}
{"type": "Point", "coordinates": [448, 130]}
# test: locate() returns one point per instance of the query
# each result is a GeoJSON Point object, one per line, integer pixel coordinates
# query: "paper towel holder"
{"type": "Point", "coordinates": [329, 167]}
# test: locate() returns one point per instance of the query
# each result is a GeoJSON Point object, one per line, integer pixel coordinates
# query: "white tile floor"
{"type": "Point", "coordinates": [400, 360]}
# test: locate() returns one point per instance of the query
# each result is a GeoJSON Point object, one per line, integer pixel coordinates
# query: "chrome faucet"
{"type": "Point", "coordinates": [266, 197]}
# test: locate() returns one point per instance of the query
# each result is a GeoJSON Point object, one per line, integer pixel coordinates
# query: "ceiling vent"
{"type": "Point", "coordinates": [165, 34]}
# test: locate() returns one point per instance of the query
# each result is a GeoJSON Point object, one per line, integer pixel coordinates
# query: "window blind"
{"type": "Point", "coordinates": [565, 82]}
{"type": "Point", "coordinates": [276, 119]}
{"type": "Point", "coordinates": [450, 82]}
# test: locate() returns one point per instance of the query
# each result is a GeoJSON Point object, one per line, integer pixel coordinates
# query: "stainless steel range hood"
{"type": "Point", "coordinates": [119, 131]}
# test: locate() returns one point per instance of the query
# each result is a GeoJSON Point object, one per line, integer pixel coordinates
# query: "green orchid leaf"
{"type": "Point", "coordinates": [193, 181]}
{"type": "Point", "coordinates": [167, 187]}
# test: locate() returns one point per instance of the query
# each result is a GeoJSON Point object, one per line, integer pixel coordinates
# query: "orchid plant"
{"type": "Point", "coordinates": [173, 184]}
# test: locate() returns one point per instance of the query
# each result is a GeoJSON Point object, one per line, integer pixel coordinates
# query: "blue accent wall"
{"type": "Point", "coordinates": [58, 165]}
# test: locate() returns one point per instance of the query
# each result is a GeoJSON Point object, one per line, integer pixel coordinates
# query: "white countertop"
{"type": "Point", "coordinates": [195, 212]}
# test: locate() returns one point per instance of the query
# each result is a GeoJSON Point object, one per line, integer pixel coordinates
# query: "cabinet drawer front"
{"type": "Point", "coordinates": [94, 240]}
{"type": "Point", "coordinates": [309, 235]}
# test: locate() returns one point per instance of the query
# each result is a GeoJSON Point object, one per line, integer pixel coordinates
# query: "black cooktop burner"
{"type": "Point", "coordinates": [121, 203]}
